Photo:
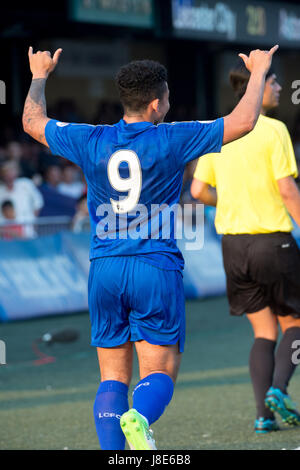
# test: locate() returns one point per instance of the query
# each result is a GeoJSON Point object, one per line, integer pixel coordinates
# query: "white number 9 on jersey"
{"type": "Point", "coordinates": [132, 185]}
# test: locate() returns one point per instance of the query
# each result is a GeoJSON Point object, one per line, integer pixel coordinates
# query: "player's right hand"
{"type": "Point", "coordinates": [41, 63]}
{"type": "Point", "coordinates": [259, 60]}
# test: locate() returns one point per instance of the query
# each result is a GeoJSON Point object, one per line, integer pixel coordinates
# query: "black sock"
{"type": "Point", "coordinates": [261, 364]}
{"type": "Point", "coordinates": [284, 367]}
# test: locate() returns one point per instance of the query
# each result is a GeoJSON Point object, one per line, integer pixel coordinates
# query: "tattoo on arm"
{"type": "Point", "coordinates": [35, 114]}
{"type": "Point", "coordinates": [37, 92]}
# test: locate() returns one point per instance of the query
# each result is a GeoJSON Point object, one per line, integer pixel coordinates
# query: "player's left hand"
{"type": "Point", "coordinates": [259, 60]}
{"type": "Point", "coordinates": [41, 63]}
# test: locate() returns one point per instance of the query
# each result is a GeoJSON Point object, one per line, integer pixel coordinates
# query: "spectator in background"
{"type": "Point", "coordinates": [10, 229]}
{"type": "Point", "coordinates": [22, 192]}
{"type": "Point", "coordinates": [14, 151]}
{"type": "Point", "coordinates": [53, 176]}
{"type": "Point", "coordinates": [8, 210]}
{"type": "Point", "coordinates": [70, 184]}
{"type": "Point", "coordinates": [30, 160]}
{"type": "Point", "coordinates": [46, 159]}
{"type": "Point", "coordinates": [56, 204]}
{"type": "Point", "coordinates": [82, 214]}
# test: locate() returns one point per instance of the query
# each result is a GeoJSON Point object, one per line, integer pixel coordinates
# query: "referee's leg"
{"type": "Point", "coordinates": [288, 322]}
{"type": "Point", "coordinates": [264, 324]}
{"type": "Point", "coordinates": [284, 364]}
{"type": "Point", "coordinates": [261, 360]}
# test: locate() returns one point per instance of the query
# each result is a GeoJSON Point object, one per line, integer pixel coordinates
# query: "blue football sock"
{"type": "Point", "coordinates": [152, 394]}
{"type": "Point", "coordinates": [110, 403]}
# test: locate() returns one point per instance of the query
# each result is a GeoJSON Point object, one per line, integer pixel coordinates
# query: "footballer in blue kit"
{"type": "Point", "coordinates": [154, 157]}
{"type": "Point", "coordinates": [134, 173]}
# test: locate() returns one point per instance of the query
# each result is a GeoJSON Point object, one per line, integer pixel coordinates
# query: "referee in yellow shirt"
{"type": "Point", "coordinates": [255, 193]}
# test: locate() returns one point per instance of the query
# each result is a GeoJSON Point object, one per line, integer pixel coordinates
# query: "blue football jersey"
{"type": "Point", "coordinates": [134, 177]}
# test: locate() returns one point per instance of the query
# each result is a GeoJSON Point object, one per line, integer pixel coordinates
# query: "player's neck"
{"type": "Point", "coordinates": [141, 117]}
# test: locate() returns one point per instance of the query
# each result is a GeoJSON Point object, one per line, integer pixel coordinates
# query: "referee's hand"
{"type": "Point", "coordinates": [259, 60]}
{"type": "Point", "coordinates": [41, 63]}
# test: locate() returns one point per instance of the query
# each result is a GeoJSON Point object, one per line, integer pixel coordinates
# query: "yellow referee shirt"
{"type": "Point", "coordinates": [245, 174]}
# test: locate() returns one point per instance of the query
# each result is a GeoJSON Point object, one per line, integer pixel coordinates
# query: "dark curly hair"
{"type": "Point", "coordinates": [141, 82]}
{"type": "Point", "coordinates": [239, 78]}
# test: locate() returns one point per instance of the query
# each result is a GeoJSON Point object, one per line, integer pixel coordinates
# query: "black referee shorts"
{"type": "Point", "coordinates": [262, 270]}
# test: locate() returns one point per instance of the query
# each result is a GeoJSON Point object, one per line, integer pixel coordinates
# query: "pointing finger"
{"type": "Point", "coordinates": [30, 52]}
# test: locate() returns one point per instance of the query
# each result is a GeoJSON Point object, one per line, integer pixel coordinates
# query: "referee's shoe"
{"type": "Point", "coordinates": [280, 402]}
{"type": "Point", "coordinates": [264, 425]}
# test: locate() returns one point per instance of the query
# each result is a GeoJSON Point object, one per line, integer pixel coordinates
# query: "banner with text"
{"type": "Point", "coordinates": [248, 22]}
{"type": "Point", "coordinates": [41, 277]}
{"type": "Point", "coordinates": [49, 275]}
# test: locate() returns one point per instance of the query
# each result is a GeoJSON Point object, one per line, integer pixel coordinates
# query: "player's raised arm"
{"type": "Point", "coordinates": [35, 115]}
{"type": "Point", "coordinates": [244, 116]}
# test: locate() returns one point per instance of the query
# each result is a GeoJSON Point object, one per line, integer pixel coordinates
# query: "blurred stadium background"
{"type": "Point", "coordinates": [44, 228]}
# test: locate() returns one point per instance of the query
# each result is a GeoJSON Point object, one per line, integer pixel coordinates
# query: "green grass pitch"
{"type": "Point", "coordinates": [50, 406]}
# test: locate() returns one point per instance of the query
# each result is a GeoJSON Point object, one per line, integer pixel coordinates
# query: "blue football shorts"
{"type": "Point", "coordinates": [131, 300]}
